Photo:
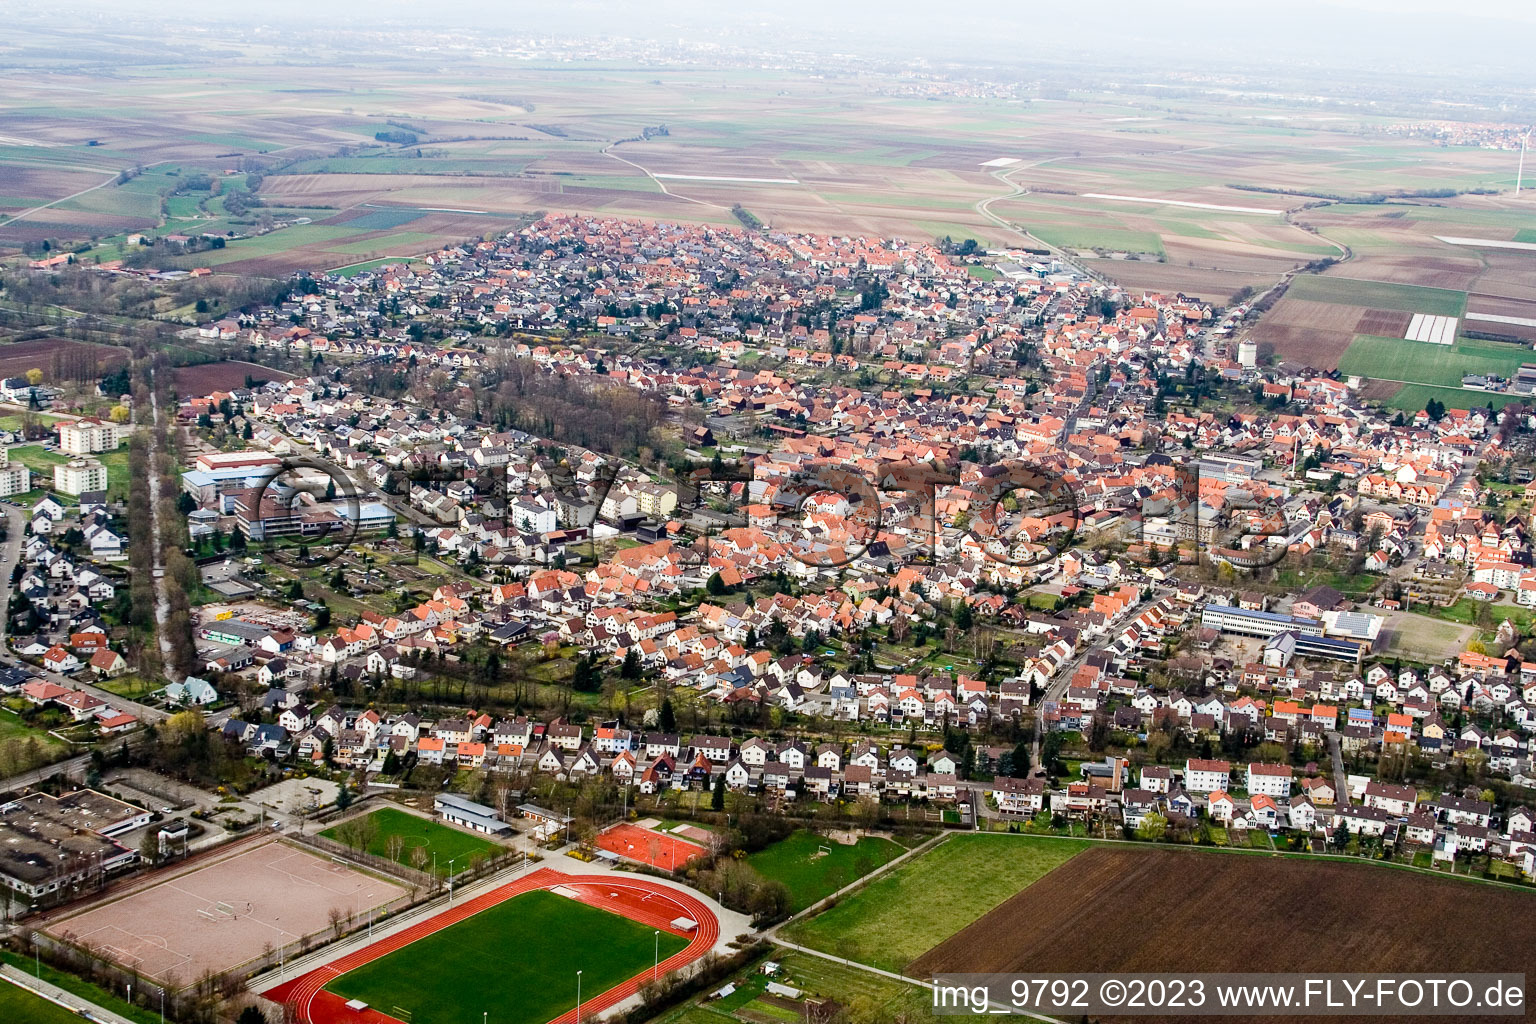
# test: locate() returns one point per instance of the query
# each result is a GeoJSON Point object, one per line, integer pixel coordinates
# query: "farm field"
{"type": "Point", "coordinates": [1378, 295]}
{"type": "Point", "coordinates": [898, 917]}
{"type": "Point", "coordinates": [814, 866]}
{"type": "Point", "coordinates": [1422, 363]}
{"type": "Point", "coordinates": [441, 843]}
{"type": "Point", "coordinates": [519, 956]}
{"type": "Point", "coordinates": [1302, 912]}
{"type": "Point", "coordinates": [496, 141]}
{"type": "Point", "coordinates": [206, 378]}
{"type": "Point", "coordinates": [1414, 397]}
{"type": "Point", "coordinates": [59, 358]}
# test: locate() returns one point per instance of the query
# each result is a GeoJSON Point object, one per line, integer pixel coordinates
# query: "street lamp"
{"type": "Point", "coordinates": [578, 997]}
{"type": "Point", "coordinates": [656, 958]}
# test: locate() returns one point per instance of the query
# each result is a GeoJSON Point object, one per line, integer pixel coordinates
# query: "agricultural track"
{"type": "Point", "coordinates": [649, 903]}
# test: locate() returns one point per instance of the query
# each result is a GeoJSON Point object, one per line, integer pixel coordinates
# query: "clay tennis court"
{"type": "Point", "coordinates": [223, 913]}
{"type": "Point", "coordinates": [645, 846]}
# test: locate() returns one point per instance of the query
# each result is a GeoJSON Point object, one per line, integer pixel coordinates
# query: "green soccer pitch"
{"type": "Point", "coordinates": [516, 961]}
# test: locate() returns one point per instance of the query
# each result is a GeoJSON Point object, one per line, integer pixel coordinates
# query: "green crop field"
{"type": "Point", "coordinates": [1085, 237]}
{"type": "Point", "coordinates": [517, 960]}
{"type": "Point", "coordinates": [1414, 397]}
{"type": "Point", "coordinates": [1421, 363]}
{"type": "Point", "coordinates": [811, 874]}
{"type": "Point", "coordinates": [440, 841]}
{"type": "Point", "coordinates": [897, 918]}
{"type": "Point", "coordinates": [1379, 295]}
{"type": "Point", "coordinates": [383, 218]}
{"type": "Point", "coordinates": [417, 241]}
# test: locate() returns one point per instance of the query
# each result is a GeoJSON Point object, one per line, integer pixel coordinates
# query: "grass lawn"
{"type": "Point", "coordinates": [1343, 582]}
{"type": "Point", "coordinates": [1422, 363]}
{"type": "Point", "coordinates": [12, 727]}
{"type": "Point", "coordinates": [1464, 611]}
{"type": "Point", "coordinates": [873, 996]}
{"type": "Point", "coordinates": [12, 420]}
{"type": "Point", "coordinates": [39, 460]}
{"type": "Point", "coordinates": [812, 875]}
{"type": "Point", "coordinates": [448, 844]}
{"type": "Point", "coordinates": [69, 983]}
{"type": "Point", "coordinates": [117, 472]}
{"type": "Point", "coordinates": [519, 958]}
{"type": "Point", "coordinates": [1408, 298]}
{"type": "Point", "coordinates": [131, 685]}
{"type": "Point", "coordinates": [17, 1004]}
{"type": "Point", "coordinates": [899, 917]}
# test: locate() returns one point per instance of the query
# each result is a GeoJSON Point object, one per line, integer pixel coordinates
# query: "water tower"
{"type": "Point", "coordinates": [1248, 353]}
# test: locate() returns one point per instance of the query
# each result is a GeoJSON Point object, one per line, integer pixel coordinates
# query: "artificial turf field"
{"type": "Point", "coordinates": [517, 959]}
{"type": "Point", "coordinates": [449, 844]}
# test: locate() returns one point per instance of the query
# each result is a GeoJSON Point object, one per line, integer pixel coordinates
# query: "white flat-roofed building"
{"type": "Point", "coordinates": [77, 476]}
{"type": "Point", "coordinates": [88, 436]}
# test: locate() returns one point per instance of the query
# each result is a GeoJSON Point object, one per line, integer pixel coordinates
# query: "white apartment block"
{"type": "Point", "coordinates": [14, 477]}
{"type": "Point", "coordinates": [1273, 780]}
{"type": "Point", "coordinates": [1202, 776]}
{"type": "Point", "coordinates": [89, 436]}
{"type": "Point", "coordinates": [77, 476]}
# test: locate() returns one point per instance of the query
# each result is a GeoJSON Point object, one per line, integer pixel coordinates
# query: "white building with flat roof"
{"type": "Point", "coordinates": [88, 436]}
{"type": "Point", "coordinates": [77, 476]}
{"type": "Point", "coordinates": [14, 477]}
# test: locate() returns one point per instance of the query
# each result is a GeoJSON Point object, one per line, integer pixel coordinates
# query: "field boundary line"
{"type": "Point", "coordinates": [917, 982]}
{"type": "Point", "coordinates": [859, 883]}
{"type": "Point", "coordinates": [1292, 854]}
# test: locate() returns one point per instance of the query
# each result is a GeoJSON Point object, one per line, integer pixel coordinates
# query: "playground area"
{"type": "Point", "coordinates": [648, 846]}
{"type": "Point", "coordinates": [225, 912]}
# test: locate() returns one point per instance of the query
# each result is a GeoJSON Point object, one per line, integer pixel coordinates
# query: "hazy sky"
{"type": "Point", "coordinates": [1469, 36]}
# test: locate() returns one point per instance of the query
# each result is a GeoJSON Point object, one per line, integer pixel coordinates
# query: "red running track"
{"type": "Point", "coordinates": [652, 904]}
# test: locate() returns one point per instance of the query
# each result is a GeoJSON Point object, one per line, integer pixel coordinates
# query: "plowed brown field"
{"type": "Point", "coordinates": [1123, 909]}
{"type": "Point", "coordinates": [1384, 323]}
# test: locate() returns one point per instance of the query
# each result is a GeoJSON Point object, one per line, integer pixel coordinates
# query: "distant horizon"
{"type": "Point", "coordinates": [1359, 37]}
